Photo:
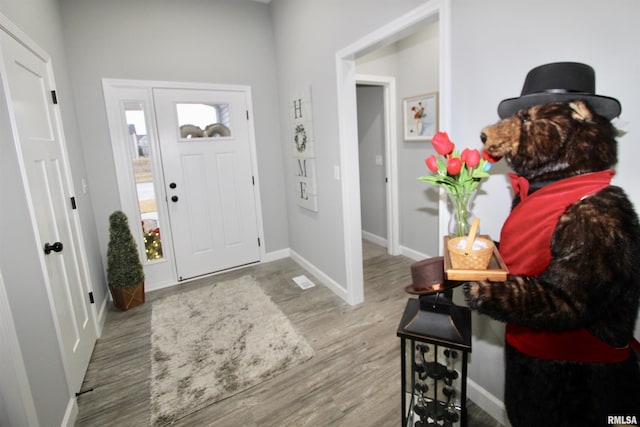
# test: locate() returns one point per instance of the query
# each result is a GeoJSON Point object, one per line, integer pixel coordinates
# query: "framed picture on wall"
{"type": "Point", "coordinates": [420, 117]}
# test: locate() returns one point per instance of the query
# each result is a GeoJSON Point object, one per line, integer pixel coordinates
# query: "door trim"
{"type": "Point", "coordinates": [126, 183]}
{"type": "Point", "coordinates": [347, 122]}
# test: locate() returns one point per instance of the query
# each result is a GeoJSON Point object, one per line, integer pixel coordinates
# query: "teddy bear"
{"type": "Point", "coordinates": [571, 244]}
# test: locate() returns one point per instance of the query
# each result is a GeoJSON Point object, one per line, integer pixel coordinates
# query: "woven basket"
{"type": "Point", "coordinates": [474, 260]}
{"type": "Point", "coordinates": [126, 298]}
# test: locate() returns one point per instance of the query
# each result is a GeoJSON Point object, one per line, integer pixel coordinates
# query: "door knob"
{"type": "Point", "coordinates": [174, 198]}
{"type": "Point", "coordinates": [56, 247]}
{"type": "Point", "coordinates": [172, 185]}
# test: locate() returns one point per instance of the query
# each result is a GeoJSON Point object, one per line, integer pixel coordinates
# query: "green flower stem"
{"type": "Point", "coordinates": [460, 202]}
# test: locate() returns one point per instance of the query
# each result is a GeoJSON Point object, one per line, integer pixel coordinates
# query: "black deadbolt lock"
{"type": "Point", "coordinates": [56, 247]}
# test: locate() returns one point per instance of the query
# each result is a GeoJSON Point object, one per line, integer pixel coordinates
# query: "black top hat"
{"type": "Point", "coordinates": [560, 82]}
{"type": "Point", "coordinates": [428, 277]}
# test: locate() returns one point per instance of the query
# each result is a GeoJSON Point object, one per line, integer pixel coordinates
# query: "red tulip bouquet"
{"type": "Point", "coordinates": [459, 173]}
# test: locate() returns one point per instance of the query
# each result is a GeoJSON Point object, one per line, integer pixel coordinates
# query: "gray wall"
{"type": "Point", "coordinates": [308, 34]}
{"type": "Point", "coordinates": [418, 72]}
{"type": "Point", "coordinates": [414, 62]}
{"type": "Point", "coordinates": [215, 41]}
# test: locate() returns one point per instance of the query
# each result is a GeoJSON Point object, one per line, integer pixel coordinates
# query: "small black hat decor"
{"type": "Point", "coordinates": [560, 82]}
{"type": "Point", "coordinates": [428, 277]}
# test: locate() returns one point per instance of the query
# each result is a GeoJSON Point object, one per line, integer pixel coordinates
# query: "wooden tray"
{"type": "Point", "coordinates": [496, 271]}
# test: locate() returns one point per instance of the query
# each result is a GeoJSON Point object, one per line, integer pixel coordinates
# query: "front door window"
{"type": "Point", "coordinates": [198, 120]}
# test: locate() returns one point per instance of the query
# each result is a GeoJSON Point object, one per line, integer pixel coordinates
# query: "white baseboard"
{"type": "Point", "coordinates": [374, 238]}
{"type": "Point", "coordinates": [320, 275]}
{"type": "Point", "coordinates": [276, 255]}
{"type": "Point", "coordinates": [487, 401]}
{"type": "Point", "coordinates": [162, 285]}
{"type": "Point", "coordinates": [414, 255]}
{"type": "Point", "coordinates": [71, 413]}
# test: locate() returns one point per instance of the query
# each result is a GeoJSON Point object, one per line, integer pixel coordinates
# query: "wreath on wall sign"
{"type": "Point", "coordinates": [300, 138]}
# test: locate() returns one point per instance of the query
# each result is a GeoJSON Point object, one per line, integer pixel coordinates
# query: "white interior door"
{"type": "Point", "coordinates": [206, 156]}
{"type": "Point", "coordinates": [41, 145]}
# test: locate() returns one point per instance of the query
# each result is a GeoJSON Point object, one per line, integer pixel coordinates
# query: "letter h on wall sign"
{"type": "Point", "coordinates": [303, 146]}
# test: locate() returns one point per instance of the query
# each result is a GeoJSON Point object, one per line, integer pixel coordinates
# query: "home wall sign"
{"type": "Point", "coordinates": [303, 149]}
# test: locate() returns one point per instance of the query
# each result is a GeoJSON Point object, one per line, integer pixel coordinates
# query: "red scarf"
{"type": "Point", "coordinates": [525, 246]}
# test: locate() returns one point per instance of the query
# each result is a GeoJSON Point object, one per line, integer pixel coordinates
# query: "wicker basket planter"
{"type": "Point", "coordinates": [126, 298]}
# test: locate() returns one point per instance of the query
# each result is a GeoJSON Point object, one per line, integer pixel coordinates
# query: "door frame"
{"type": "Point", "coordinates": [388, 85]}
{"type": "Point", "coordinates": [126, 182]}
{"type": "Point", "coordinates": [433, 10]}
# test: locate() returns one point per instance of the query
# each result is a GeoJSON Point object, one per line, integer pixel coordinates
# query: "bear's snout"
{"type": "Point", "coordinates": [502, 139]}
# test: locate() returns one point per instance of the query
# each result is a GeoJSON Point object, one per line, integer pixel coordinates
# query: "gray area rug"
{"type": "Point", "coordinates": [213, 342]}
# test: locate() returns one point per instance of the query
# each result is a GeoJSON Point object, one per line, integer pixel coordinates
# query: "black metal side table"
{"type": "Point", "coordinates": [434, 364]}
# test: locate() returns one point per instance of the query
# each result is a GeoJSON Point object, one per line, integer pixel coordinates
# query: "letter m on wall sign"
{"type": "Point", "coordinates": [305, 188]}
{"type": "Point", "coordinates": [302, 167]}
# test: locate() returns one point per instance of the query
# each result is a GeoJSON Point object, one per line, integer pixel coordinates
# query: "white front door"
{"type": "Point", "coordinates": [206, 156]}
{"type": "Point", "coordinates": [41, 145]}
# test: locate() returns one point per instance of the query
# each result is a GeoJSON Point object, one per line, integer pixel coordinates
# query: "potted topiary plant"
{"type": "Point", "coordinates": [124, 269]}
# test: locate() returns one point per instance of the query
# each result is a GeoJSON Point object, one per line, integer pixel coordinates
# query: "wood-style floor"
{"type": "Point", "coordinates": [353, 379]}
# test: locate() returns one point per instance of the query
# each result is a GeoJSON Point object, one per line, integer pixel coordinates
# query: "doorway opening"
{"type": "Point", "coordinates": [433, 11]}
{"type": "Point", "coordinates": [378, 161]}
